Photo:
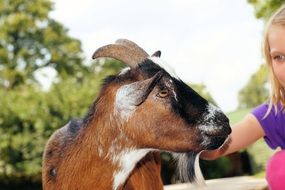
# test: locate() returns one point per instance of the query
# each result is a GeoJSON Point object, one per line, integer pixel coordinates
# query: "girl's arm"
{"type": "Point", "coordinates": [243, 134]}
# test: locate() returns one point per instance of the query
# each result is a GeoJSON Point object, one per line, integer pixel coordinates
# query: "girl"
{"type": "Point", "coordinates": [268, 119]}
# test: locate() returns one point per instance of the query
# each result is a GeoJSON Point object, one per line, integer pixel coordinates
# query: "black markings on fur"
{"type": "Point", "coordinates": [90, 114]}
{"type": "Point", "coordinates": [108, 80]}
{"type": "Point", "coordinates": [190, 112]}
{"type": "Point", "coordinates": [188, 104]}
{"type": "Point", "coordinates": [49, 153]}
{"type": "Point", "coordinates": [74, 126]}
{"type": "Point", "coordinates": [149, 68]}
{"type": "Point", "coordinates": [52, 172]}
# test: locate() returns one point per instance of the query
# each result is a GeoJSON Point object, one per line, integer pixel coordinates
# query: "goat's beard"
{"type": "Point", "coordinates": [189, 168]}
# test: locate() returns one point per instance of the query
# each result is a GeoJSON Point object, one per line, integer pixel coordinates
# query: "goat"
{"type": "Point", "coordinates": [142, 110]}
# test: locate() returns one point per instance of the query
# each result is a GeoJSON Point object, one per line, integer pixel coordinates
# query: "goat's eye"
{"type": "Point", "coordinates": [163, 93]}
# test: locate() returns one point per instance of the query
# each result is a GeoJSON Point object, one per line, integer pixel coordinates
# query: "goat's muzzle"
{"type": "Point", "coordinates": [215, 128]}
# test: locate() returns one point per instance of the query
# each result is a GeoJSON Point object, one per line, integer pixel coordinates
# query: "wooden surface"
{"type": "Point", "coordinates": [233, 183]}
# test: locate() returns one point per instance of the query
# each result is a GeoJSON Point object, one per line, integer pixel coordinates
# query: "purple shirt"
{"type": "Point", "coordinates": [273, 125]}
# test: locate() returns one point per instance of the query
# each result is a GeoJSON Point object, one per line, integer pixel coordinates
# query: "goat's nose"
{"type": "Point", "coordinates": [228, 129]}
{"type": "Point", "coordinates": [220, 126]}
{"type": "Point", "coordinates": [224, 124]}
{"type": "Point", "coordinates": [225, 119]}
{"type": "Point", "coordinates": [221, 118]}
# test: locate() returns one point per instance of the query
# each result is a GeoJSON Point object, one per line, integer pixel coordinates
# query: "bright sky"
{"type": "Point", "coordinates": [217, 43]}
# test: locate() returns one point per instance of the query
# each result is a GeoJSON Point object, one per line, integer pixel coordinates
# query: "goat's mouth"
{"type": "Point", "coordinates": [214, 140]}
{"type": "Point", "coordinates": [214, 137]}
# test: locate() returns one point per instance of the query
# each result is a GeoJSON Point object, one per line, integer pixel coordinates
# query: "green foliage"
{"type": "Point", "coordinates": [259, 153]}
{"type": "Point", "coordinates": [20, 132]}
{"type": "Point", "coordinates": [29, 116]}
{"type": "Point", "coordinates": [265, 8]}
{"type": "Point", "coordinates": [30, 40]}
{"type": "Point", "coordinates": [255, 91]}
{"type": "Point", "coordinates": [215, 168]}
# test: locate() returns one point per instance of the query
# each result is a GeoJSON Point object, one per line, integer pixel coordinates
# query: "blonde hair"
{"type": "Point", "coordinates": [277, 91]}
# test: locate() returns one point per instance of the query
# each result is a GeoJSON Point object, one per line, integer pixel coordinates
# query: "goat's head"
{"type": "Point", "coordinates": [159, 111]}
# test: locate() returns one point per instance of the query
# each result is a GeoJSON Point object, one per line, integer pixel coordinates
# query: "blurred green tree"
{"type": "Point", "coordinates": [265, 8]}
{"type": "Point", "coordinates": [30, 40]}
{"type": "Point", "coordinates": [29, 115]}
{"type": "Point", "coordinates": [256, 90]}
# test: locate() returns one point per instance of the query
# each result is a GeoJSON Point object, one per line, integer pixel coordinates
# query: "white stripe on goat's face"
{"type": "Point", "coordinates": [127, 161]}
{"type": "Point", "coordinates": [124, 70]}
{"type": "Point", "coordinates": [169, 84]}
{"type": "Point", "coordinates": [165, 66]}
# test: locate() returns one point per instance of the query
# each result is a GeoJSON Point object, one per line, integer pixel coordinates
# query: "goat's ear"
{"type": "Point", "coordinates": [135, 93]}
{"type": "Point", "coordinates": [156, 54]}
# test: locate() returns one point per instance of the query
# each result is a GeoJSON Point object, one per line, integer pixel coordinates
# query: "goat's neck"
{"type": "Point", "coordinates": [121, 153]}
{"type": "Point", "coordinates": [105, 156]}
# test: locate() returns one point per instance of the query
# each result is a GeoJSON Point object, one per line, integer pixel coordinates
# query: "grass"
{"type": "Point", "coordinates": [237, 115]}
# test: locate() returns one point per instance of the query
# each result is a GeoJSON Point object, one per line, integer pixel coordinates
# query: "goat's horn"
{"type": "Point", "coordinates": [129, 54]}
{"type": "Point", "coordinates": [131, 45]}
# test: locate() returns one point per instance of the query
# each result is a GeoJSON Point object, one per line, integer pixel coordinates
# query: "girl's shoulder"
{"type": "Point", "coordinates": [273, 124]}
{"type": "Point", "coordinates": [262, 112]}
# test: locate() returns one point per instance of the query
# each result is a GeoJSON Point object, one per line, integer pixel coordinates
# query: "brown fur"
{"type": "Point", "coordinates": [75, 166]}
{"type": "Point", "coordinates": [146, 175]}
{"type": "Point", "coordinates": [70, 162]}
{"type": "Point", "coordinates": [76, 160]}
